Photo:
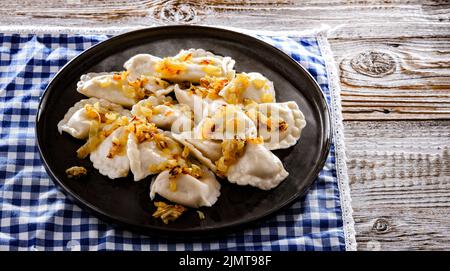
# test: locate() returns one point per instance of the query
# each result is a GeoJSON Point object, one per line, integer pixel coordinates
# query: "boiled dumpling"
{"type": "Point", "coordinates": [142, 67]}
{"type": "Point", "coordinates": [252, 86]}
{"type": "Point", "coordinates": [188, 65]}
{"type": "Point", "coordinates": [190, 191]}
{"type": "Point", "coordinates": [141, 64]}
{"type": "Point", "coordinates": [142, 156]}
{"type": "Point", "coordinates": [146, 157]}
{"type": "Point", "coordinates": [110, 157]}
{"type": "Point", "coordinates": [205, 58]}
{"type": "Point", "coordinates": [280, 124]}
{"type": "Point", "coordinates": [228, 122]}
{"type": "Point", "coordinates": [103, 85]}
{"type": "Point", "coordinates": [111, 87]}
{"type": "Point", "coordinates": [194, 64]}
{"type": "Point", "coordinates": [258, 167]}
{"type": "Point", "coordinates": [77, 120]}
{"type": "Point", "coordinates": [168, 116]}
{"type": "Point", "coordinates": [207, 151]}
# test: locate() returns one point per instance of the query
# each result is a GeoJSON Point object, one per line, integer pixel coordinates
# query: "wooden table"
{"type": "Point", "coordinates": [394, 63]}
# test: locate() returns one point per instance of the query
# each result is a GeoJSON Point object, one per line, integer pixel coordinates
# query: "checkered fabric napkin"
{"type": "Point", "coordinates": [35, 215]}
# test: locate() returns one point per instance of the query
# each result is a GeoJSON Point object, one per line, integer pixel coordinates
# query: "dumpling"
{"type": "Point", "coordinates": [141, 64]}
{"type": "Point", "coordinates": [77, 120]}
{"type": "Point", "coordinates": [111, 87]}
{"type": "Point", "coordinates": [280, 124]}
{"type": "Point", "coordinates": [194, 64]}
{"type": "Point", "coordinates": [206, 151]}
{"type": "Point", "coordinates": [188, 65]}
{"type": "Point", "coordinates": [253, 86]}
{"type": "Point", "coordinates": [110, 157]}
{"type": "Point", "coordinates": [190, 191]}
{"type": "Point", "coordinates": [141, 68]}
{"type": "Point", "coordinates": [257, 167]}
{"type": "Point", "coordinates": [146, 158]}
{"type": "Point", "coordinates": [201, 107]}
{"type": "Point", "coordinates": [203, 57]}
{"type": "Point", "coordinates": [168, 116]}
{"type": "Point", "coordinates": [228, 122]}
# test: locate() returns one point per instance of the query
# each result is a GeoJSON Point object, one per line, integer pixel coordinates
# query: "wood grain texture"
{"type": "Point", "coordinates": [401, 78]}
{"type": "Point", "coordinates": [399, 172]}
{"type": "Point", "coordinates": [407, 228]}
{"type": "Point", "coordinates": [393, 58]}
{"type": "Point", "coordinates": [349, 18]}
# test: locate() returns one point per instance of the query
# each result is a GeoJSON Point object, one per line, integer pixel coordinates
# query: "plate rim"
{"type": "Point", "coordinates": [181, 232]}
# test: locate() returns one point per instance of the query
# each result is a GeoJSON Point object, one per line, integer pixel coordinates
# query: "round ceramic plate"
{"type": "Point", "coordinates": [127, 203]}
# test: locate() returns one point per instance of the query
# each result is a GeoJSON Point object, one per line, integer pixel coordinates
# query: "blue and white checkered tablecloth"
{"type": "Point", "coordinates": [35, 215]}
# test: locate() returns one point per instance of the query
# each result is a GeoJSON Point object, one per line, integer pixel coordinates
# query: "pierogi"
{"type": "Point", "coordinates": [182, 120]}
{"type": "Point", "coordinates": [77, 120]}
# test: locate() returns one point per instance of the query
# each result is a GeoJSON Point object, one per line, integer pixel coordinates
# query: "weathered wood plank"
{"type": "Point", "coordinates": [349, 18]}
{"type": "Point", "coordinates": [400, 171]}
{"type": "Point", "coordinates": [401, 78]}
{"type": "Point", "coordinates": [418, 228]}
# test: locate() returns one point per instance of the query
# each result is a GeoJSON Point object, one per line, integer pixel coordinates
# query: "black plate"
{"type": "Point", "coordinates": [127, 203]}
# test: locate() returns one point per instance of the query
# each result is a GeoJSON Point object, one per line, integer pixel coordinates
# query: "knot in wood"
{"type": "Point", "coordinates": [381, 225]}
{"type": "Point", "coordinates": [175, 11]}
{"type": "Point", "coordinates": [374, 63]}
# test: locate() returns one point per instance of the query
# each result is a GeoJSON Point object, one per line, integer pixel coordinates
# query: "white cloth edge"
{"type": "Point", "coordinates": [333, 84]}
{"type": "Point", "coordinates": [339, 142]}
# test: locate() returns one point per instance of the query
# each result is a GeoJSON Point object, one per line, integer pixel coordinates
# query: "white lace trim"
{"type": "Point", "coordinates": [333, 84]}
{"type": "Point", "coordinates": [339, 143]}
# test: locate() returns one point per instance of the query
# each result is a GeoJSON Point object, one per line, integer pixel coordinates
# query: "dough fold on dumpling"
{"type": "Point", "coordinates": [280, 124]}
{"type": "Point", "coordinates": [201, 107]}
{"type": "Point", "coordinates": [76, 121]}
{"type": "Point", "coordinates": [258, 167]}
{"type": "Point", "coordinates": [167, 116]}
{"type": "Point", "coordinates": [228, 122]}
{"type": "Point", "coordinates": [155, 86]}
{"type": "Point", "coordinates": [145, 157]}
{"type": "Point", "coordinates": [115, 167]}
{"type": "Point", "coordinates": [190, 191]}
{"type": "Point", "coordinates": [206, 151]}
{"type": "Point", "coordinates": [252, 86]}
